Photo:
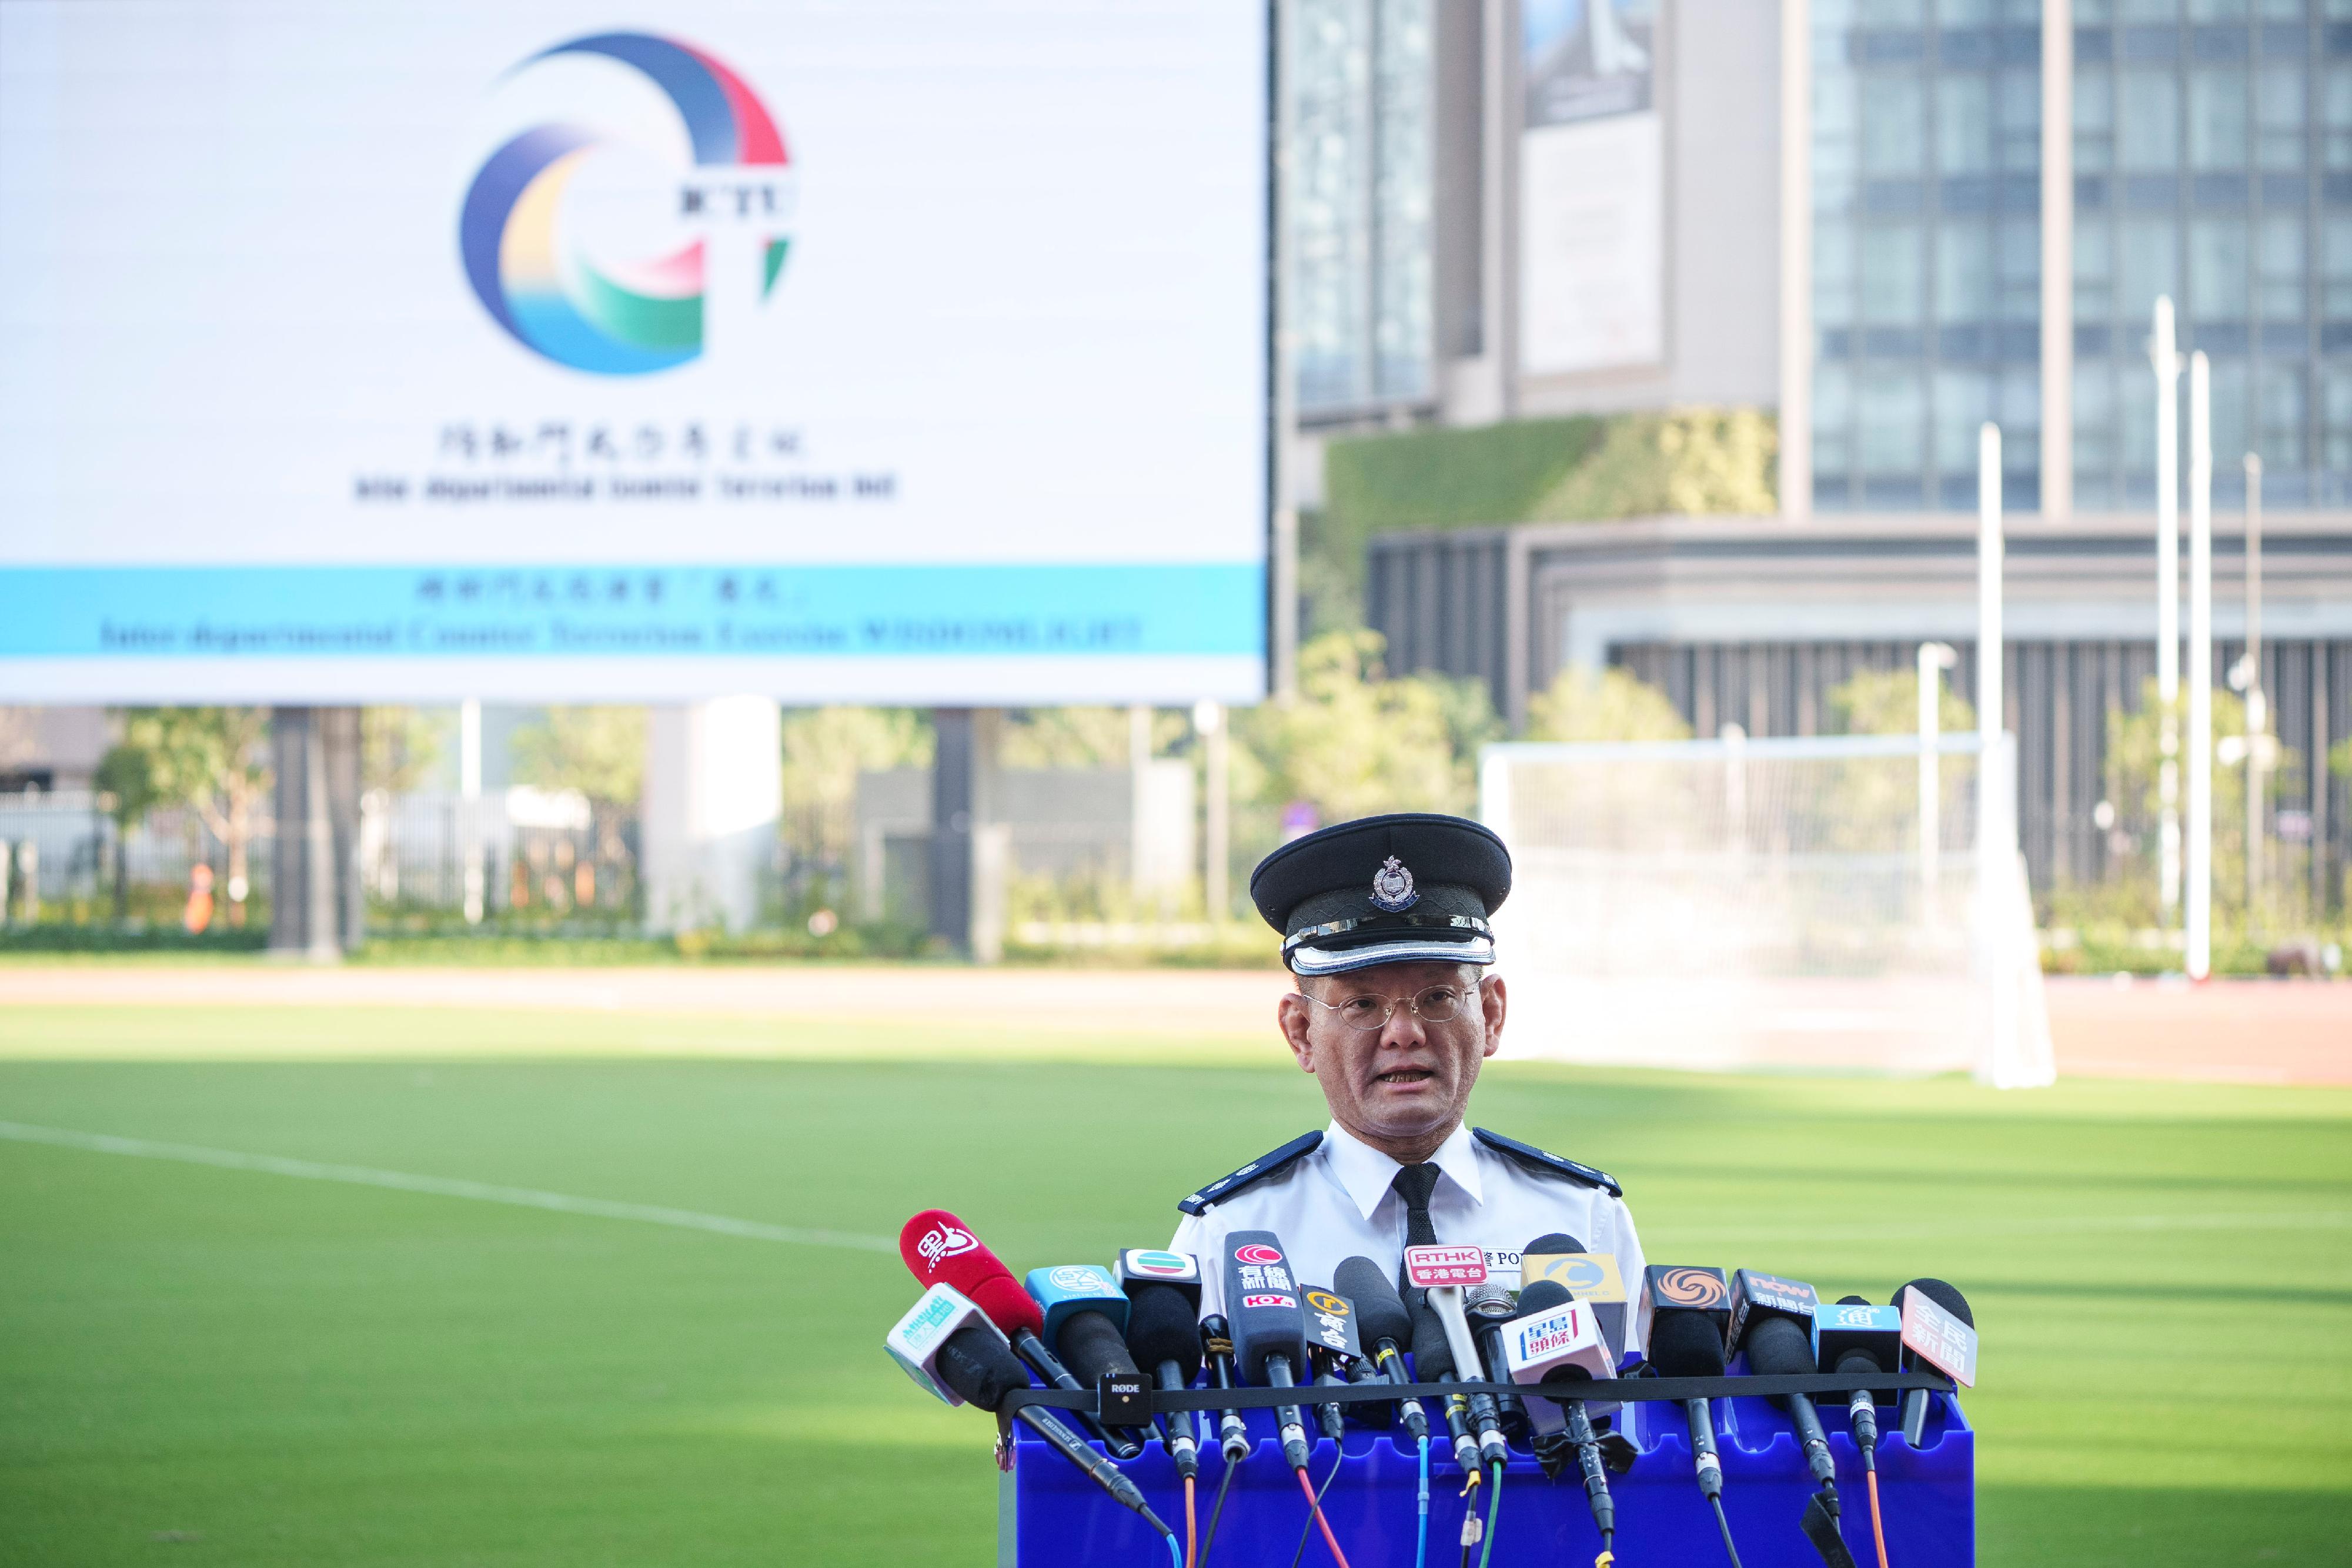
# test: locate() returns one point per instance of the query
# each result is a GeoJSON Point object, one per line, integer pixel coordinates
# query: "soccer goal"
{"type": "Point", "coordinates": [1850, 902]}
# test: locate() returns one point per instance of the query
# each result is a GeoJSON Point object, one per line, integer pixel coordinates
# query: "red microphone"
{"type": "Point", "coordinates": [939, 1249]}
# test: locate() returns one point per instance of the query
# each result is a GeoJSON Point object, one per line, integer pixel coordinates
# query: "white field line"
{"type": "Point", "coordinates": [444, 1186]}
{"type": "Point", "coordinates": [753, 1229]}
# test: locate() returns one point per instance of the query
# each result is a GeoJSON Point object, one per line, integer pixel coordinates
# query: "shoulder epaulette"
{"type": "Point", "coordinates": [1257, 1170]}
{"type": "Point", "coordinates": [1544, 1164]}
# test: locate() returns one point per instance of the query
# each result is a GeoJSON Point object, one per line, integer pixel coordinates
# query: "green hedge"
{"type": "Point", "coordinates": [1590, 467]}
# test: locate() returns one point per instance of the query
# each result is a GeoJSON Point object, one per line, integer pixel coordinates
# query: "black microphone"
{"type": "Point", "coordinates": [1162, 1335]}
{"type": "Point", "coordinates": [1914, 1403]}
{"type": "Point", "coordinates": [1385, 1329]}
{"type": "Point", "coordinates": [1216, 1343]}
{"type": "Point", "coordinates": [1085, 1312]}
{"type": "Point", "coordinates": [1686, 1345]}
{"type": "Point", "coordinates": [1433, 1362]}
{"type": "Point", "coordinates": [979, 1366]}
{"type": "Point", "coordinates": [1333, 1346]}
{"type": "Point", "coordinates": [1488, 1308]}
{"type": "Point", "coordinates": [1772, 1322]}
{"type": "Point", "coordinates": [1539, 1300]}
{"type": "Point", "coordinates": [1269, 1325]}
{"type": "Point", "coordinates": [1854, 1336]}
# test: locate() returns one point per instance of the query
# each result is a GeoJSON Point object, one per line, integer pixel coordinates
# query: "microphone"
{"type": "Point", "coordinates": [1085, 1323]}
{"type": "Point", "coordinates": [1163, 1334]}
{"type": "Point", "coordinates": [1854, 1336]}
{"type": "Point", "coordinates": [1386, 1327]}
{"type": "Point", "coordinates": [1554, 1332]}
{"type": "Point", "coordinates": [1433, 1360]}
{"type": "Point", "coordinates": [1333, 1346]}
{"type": "Point", "coordinates": [1684, 1310]}
{"type": "Point", "coordinates": [1489, 1307]}
{"type": "Point", "coordinates": [948, 1345]}
{"type": "Point", "coordinates": [940, 1250]}
{"type": "Point", "coordinates": [1771, 1321]}
{"type": "Point", "coordinates": [1590, 1276]}
{"type": "Point", "coordinates": [1269, 1325]}
{"type": "Point", "coordinates": [1233, 1436]}
{"type": "Point", "coordinates": [1939, 1331]}
{"type": "Point", "coordinates": [1442, 1273]}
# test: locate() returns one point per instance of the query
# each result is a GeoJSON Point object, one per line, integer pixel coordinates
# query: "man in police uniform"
{"type": "Point", "coordinates": [1384, 924]}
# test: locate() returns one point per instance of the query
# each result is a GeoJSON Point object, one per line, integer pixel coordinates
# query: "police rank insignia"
{"type": "Point", "coordinates": [1392, 887]}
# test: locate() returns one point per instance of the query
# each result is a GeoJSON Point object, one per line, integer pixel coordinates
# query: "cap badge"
{"type": "Point", "coordinates": [1392, 887]}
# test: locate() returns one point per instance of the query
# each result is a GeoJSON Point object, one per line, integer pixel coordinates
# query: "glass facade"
{"type": "Point", "coordinates": [2213, 163]}
{"type": "Point", "coordinates": [1927, 249]}
{"type": "Point", "coordinates": [1362, 82]}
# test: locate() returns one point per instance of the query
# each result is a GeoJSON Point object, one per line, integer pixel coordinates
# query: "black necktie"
{"type": "Point", "coordinates": [1415, 1184]}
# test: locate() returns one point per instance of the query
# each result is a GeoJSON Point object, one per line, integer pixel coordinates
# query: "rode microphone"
{"type": "Point", "coordinates": [940, 1250]}
{"type": "Point", "coordinates": [1216, 1343]}
{"type": "Point", "coordinates": [1085, 1323]}
{"type": "Point", "coordinates": [1856, 1337]}
{"type": "Point", "coordinates": [1772, 1324]}
{"type": "Point", "coordinates": [1432, 1361]}
{"type": "Point", "coordinates": [1556, 1333]}
{"type": "Point", "coordinates": [1939, 1331]}
{"type": "Point", "coordinates": [1333, 1346]}
{"type": "Point", "coordinates": [950, 1345]}
{"type": "Point", "coordinates": [1163, 1334]}
{"type": "Point", "coordinates": [1385, 1328]}
{"type": "Point", "coordinates": [1683, 1311]}
{"type": "Point", "coordinates": [1442, 1273]}
{"type": "Point", "coordinates": [1269, 1325]}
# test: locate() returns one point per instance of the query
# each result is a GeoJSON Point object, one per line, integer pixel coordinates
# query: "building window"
{"type": "Point", "coordinates": [1360, 79]}
{"type": "Point", "coordinates": [2219, 107]}
{"type": "Point", "coordinates": [1927, 255]}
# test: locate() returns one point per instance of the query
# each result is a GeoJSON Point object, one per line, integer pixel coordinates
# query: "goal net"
{"type": "Point", "coordinates": [1845, 902]}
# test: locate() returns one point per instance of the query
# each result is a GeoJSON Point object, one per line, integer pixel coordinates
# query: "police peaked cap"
{"type": "Point", "coordinates": [1412, 886]}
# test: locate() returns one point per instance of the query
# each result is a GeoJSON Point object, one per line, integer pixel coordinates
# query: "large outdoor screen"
{"type": "Point", "coordinates": [881, 351]}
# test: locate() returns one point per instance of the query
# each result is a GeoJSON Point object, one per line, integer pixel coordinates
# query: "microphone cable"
{"type": "Point", "coordinates": [1316, 1505]}
{"type": "Point", "coordinates": [1494, 1511]}
{"type": "Point", "coordinates": [1175, 1550]}
{"type": "Point", "coordinates": [1299, 1555]}
{"type": "Point", "coordinates": [1216, 1513]}
{"type": "Point", "coordinates": [1725, 1525]}
{"type": "Point", "coordinates": [1192, 1524]}
{"type": "Point", "coordinates": [1420, 1532]}
{"type": "Point", "coordinates": [1877, 1531]}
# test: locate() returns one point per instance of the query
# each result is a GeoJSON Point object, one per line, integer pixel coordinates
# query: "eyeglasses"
{"type": "Point", "coordinates": [1438, 1004]}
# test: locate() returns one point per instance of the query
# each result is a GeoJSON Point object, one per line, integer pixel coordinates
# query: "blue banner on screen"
{"type": "Point", "coordinates": [433, 351]}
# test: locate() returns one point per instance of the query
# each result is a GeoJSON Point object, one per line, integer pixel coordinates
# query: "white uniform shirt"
{"type": "Point", "coordinates": [1335, 1202]}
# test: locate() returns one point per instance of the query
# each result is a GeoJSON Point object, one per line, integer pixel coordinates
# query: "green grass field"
{"type": "Point", "coordinates": [201, 1365]}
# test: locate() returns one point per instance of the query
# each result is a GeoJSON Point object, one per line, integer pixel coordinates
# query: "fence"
{"type": "Point", "coordinates": [520, 852]}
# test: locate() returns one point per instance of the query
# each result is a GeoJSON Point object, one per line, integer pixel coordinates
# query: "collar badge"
{"type": "Point", "coordinates": [1392, 887]}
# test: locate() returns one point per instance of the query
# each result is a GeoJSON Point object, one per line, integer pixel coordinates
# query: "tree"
{"type": "Point", "coordinates": [1358, 742]}
{"type": "Point", "coordinates": [2135, 785]}
{"type": "Point", "coordinates": [1585, 704]}
{"type": "Point", "coordinates": [400, 748]}
{"type": "Point", "coordinates": [125, 782]}
{"type": "Point", "coordinates": [599, 751]}
{"type": "Point", "coordinates": [1886, 701]}
{"type": "Point", "coordinates": [214, 762]}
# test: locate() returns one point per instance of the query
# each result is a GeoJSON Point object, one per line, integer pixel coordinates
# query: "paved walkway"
{"type": "Point", "coordinates": [2242, 1031]}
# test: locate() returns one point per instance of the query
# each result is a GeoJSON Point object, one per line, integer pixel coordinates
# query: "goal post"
{"type": "Point", "coordinates": [1840, 901]}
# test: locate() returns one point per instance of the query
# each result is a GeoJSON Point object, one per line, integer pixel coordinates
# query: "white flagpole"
{"type": "Point", "coordinates": [2199, 923]}
{"type": "Point", "coordinates": [2164, 358]}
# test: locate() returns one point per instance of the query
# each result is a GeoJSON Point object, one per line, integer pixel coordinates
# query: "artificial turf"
{"type": "Point", "coordinates": [201, 1365]}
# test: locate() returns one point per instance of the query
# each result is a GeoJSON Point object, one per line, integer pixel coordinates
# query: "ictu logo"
{"type": "Point", "coordinates": [529, 263]}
